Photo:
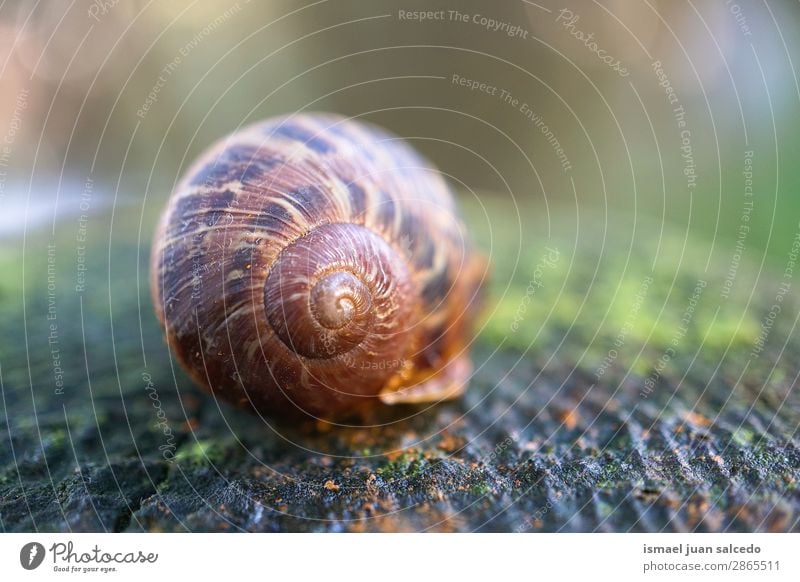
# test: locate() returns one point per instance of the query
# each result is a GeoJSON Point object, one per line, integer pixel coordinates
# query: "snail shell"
{"type": "Point", "coordinates": [315, 263]}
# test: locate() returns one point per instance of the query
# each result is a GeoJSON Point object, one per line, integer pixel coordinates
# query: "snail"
{"type": "Point", "coordinates": [314, 263]}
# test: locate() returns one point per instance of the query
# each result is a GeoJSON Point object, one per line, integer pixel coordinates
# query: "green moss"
{"type": "Point", "coordinates": [406, 466]}
{"type": "Point", "coordinates": [196, 452]}
{"type": "Point", "coordinates": [636, 303]}
{"type": "Point", "coordinates": [55, 439]}
{"type": "Point", "coordinates": [480, 489]}
{"type": "Point", "coordinates": [777, 376]}
{"type": "Point", "coordinates": [611, 474]}
{"type": "Point", "coordinates": [743, 437]}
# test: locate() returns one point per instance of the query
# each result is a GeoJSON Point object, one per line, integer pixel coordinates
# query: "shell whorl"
{"type": "Point", "coordinates": [306, 263]}
{"type": "Point", "coordinates": [336, 288]}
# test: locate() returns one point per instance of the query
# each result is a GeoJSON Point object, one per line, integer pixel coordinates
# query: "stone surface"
{"type": "Point", "coordinates": [541, 441]}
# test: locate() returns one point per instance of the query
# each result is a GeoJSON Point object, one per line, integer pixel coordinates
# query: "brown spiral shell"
{"type": "Point", "coordinates": [314, 263]}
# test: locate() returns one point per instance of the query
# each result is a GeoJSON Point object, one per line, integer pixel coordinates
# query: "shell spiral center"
{"type": "Point", "coordinates": [338, 298]}
{"type": "Point", "coordinates": [334, 288]}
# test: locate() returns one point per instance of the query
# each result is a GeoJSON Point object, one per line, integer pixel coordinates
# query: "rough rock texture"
{"type": "Point", "coordinates": [539, 443]}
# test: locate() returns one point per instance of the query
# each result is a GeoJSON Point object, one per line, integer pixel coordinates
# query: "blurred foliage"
{"type": "Point", "coordinates": [89, 67]}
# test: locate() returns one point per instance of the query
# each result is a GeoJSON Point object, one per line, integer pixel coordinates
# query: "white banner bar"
{"type": "Point", "coordinates": [401, 557]}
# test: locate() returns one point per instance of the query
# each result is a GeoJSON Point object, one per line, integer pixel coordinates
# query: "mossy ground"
{"type": "Point", "coordinates": [556, 433]}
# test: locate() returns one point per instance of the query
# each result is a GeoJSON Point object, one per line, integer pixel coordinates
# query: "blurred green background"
{"type": "Point", "coordinates": [106, 103]}
{"type": "Point", "coordinates": [88, 67]}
